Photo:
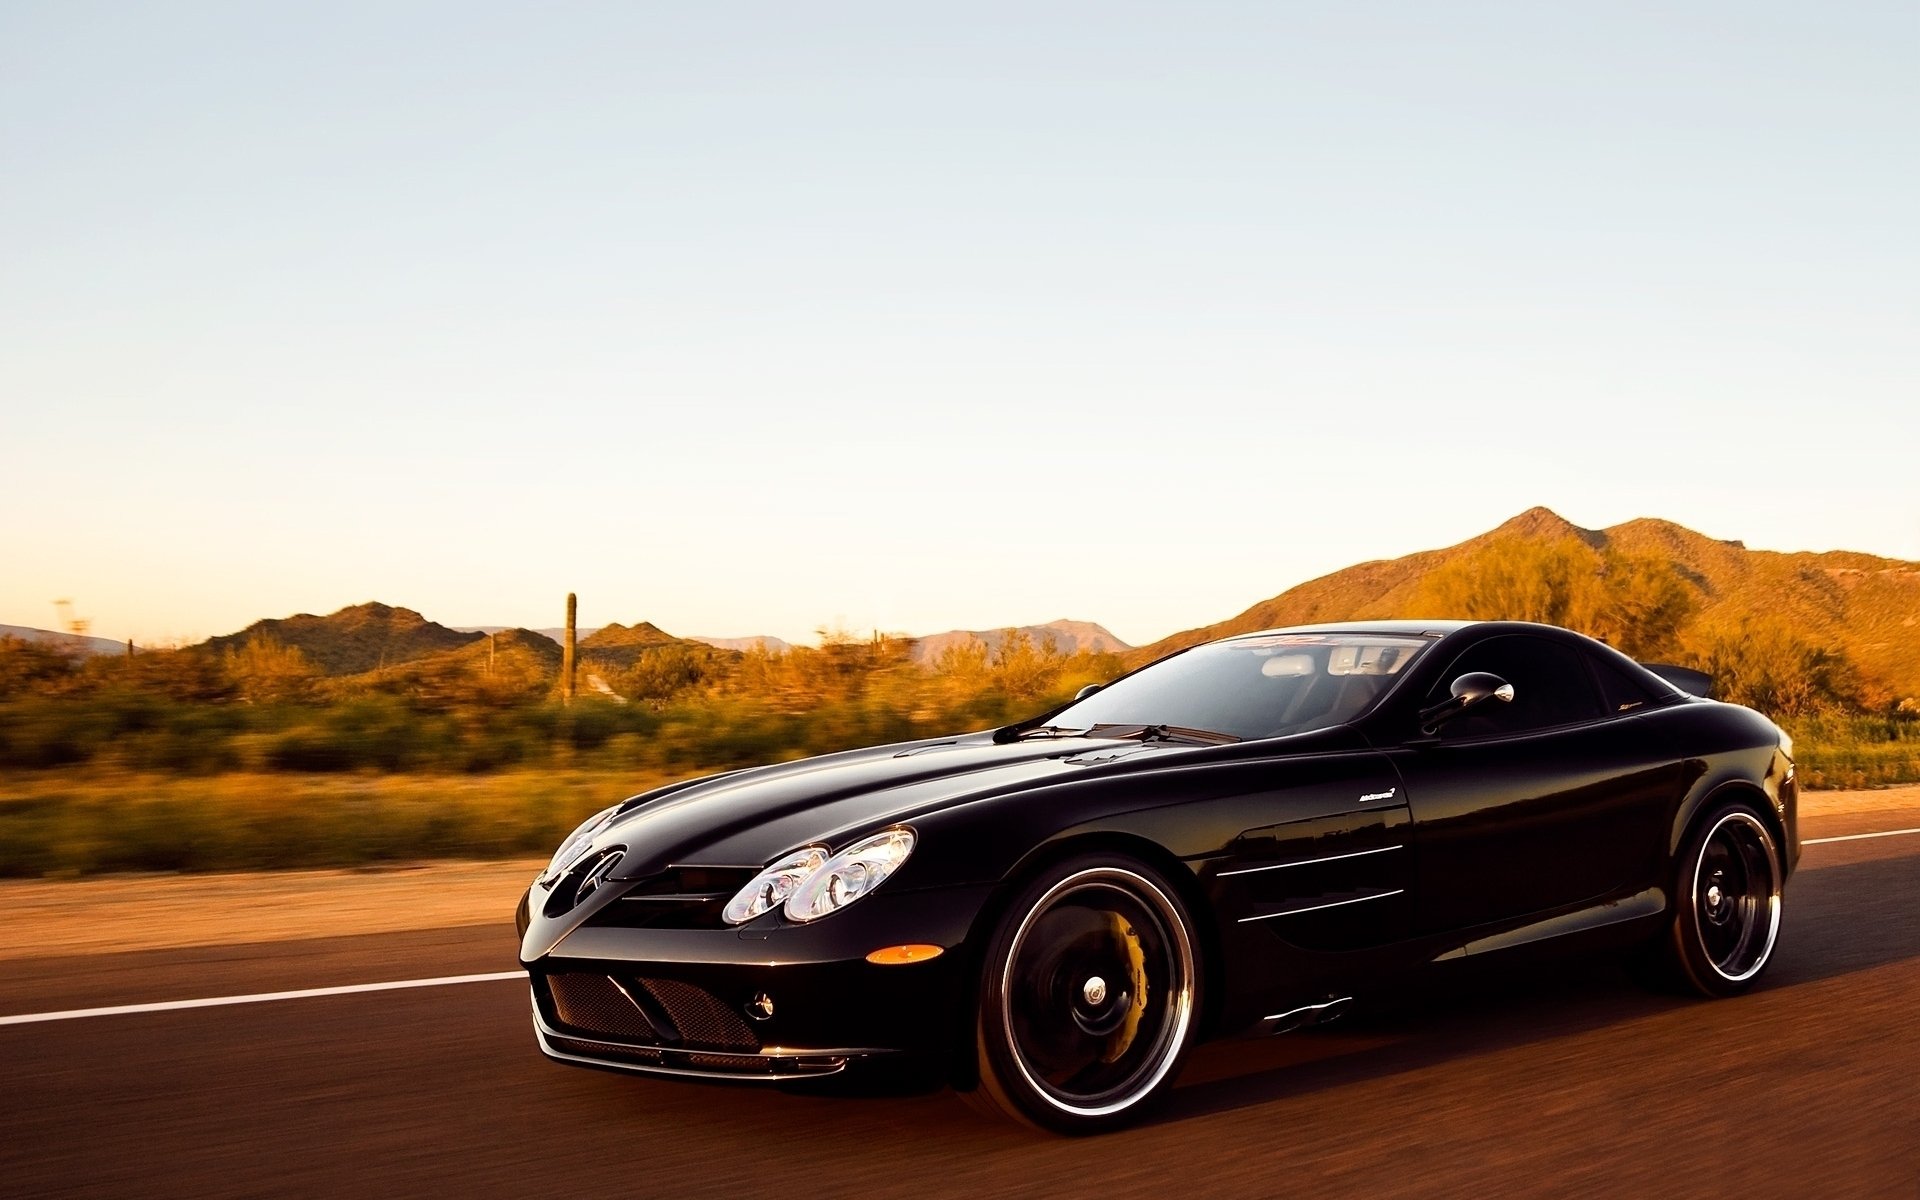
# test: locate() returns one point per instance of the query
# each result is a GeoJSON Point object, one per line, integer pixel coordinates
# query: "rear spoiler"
{"type": "Point", "coordinates": [1688, 680]}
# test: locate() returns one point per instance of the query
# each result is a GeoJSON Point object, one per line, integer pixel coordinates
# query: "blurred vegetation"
{"type": "Point", "coordinates": [95, 819]}
{"type": "Point", "coordinates": [252, 752]}
{"type": "Point", "coordinates": [1840, 750]}
{"type": "Point", "coordinates": [246, 756]}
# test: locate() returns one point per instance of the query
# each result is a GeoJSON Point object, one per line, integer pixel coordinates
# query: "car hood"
{"type": "Point", "coordinates": [748, 818]}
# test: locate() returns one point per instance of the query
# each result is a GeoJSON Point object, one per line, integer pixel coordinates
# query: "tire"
{"type": "Point", "coordinates": [1089, 997]}
{"type": "Point", "coordinates": [1726, 906]}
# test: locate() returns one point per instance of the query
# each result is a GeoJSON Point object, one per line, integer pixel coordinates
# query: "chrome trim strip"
{"type": "Point", "coordinates": [1307, 862]}
{"type": "Point", "coordinates": [1309, 1008]}
{"type": "Point", "coordinates": [1294, 912]}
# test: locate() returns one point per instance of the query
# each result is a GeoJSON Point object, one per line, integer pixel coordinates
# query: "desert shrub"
{"type": "Point", "coordinates": [1765, 664]}
{"type": "Point", "coordinates": [36, 734]}
{"type": "Point", "coordinates": [378, 733]}
{"type": "Point", "coordinates": [1637, 604]}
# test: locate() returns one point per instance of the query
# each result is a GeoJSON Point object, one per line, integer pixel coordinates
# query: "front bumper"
{"type": "Point", "coordinates": [760, 1065]}
{"type": "Point", "coordinates": [767, 1001]}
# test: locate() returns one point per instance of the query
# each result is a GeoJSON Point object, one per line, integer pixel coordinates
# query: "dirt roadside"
{"type": "Point", "coordinates": [47, 919]}
{"type": "Point", "coordinates": [157, 912]}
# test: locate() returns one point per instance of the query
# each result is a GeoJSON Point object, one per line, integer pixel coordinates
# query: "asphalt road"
{"type": "Point", "coordinates": [1573, 1082]}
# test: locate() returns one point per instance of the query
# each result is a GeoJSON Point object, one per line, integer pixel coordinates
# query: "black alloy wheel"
{"type": "Point", "coordinates": [1727, 907]}
{"type": "Point", "coordinates": [1089, 997]}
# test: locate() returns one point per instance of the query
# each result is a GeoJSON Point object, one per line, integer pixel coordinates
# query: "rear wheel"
{"type": "Point", "coordinates": [1088, 998]}
{"type": "Point", "coordinates": [1727, 905]}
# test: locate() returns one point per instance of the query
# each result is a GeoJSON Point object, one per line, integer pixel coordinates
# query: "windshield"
{"type": "Point", "coordinates": [1253, 687]}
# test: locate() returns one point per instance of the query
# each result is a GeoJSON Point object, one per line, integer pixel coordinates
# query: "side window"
{"type": "Point", "coordinates": [1550, 687]}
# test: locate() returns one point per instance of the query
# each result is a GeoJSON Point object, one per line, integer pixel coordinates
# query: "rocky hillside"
{"type": "Point", "coordinates": [1067, 637]}
{"type": "Point", "coordinates": [1860, 605]}
{"type": "Point", "coordinates": [363, 637]}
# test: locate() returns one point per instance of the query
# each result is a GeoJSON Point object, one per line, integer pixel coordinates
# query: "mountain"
{"type": "Point", "coordinates": [556, 634]}
{"type": "Point", "coordinates": [618, 646]}
{"type": "Point", "coordinates": [528, 646]}
{"type": "Point", "coordinates": [363, 637]}
{"type": "Point", "coordinates": [1864, 606]}
{"type": "Point", "coordinates": [80, 642]}
{"type": "Point", "coordinates": [1067, 637]}
{"type": "Point", "coordinates": [646, 633]}
{"type": "Point", "coordinates": [772, 644]}
{"type": "Point", "coordinates": [505, 663]}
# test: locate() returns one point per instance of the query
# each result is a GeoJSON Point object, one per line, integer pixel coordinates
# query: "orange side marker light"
{"type": "Point", "coordinates": [893, 956]}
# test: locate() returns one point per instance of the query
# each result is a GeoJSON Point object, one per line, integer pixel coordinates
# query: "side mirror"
{"type": "Point", "coordinates": [1086, 691]}
{"type": "Point", "coordinates": [1468, 692]}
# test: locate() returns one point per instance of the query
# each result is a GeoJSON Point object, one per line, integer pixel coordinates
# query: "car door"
{"type": "Point", "coordinates": [1536, 805]}
{"type": "Point", "coordinates": [1328, 864]}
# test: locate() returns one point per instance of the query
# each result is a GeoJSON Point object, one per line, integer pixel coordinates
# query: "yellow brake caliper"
{"type": "Point", "coordinates": [1122, 1037]}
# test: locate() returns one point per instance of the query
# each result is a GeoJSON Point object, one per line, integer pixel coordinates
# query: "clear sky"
{"type": "Point", "coordinates": [751, 318]}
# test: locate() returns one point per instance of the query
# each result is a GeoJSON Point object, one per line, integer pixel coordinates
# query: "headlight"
{"type": "Point", "coordinates": [771, 887]}
{"type": "Point", "coordinates": [579, 840]}
{"type": "Point", "coordinates": [849, 875]}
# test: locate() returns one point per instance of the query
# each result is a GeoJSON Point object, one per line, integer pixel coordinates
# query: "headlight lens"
{"type": "Point", "coordinates": [579, 840]}
{"type": "Point", "coordinates": [771, 887]}
{"type": "Point", "coordinates": [849, 875]}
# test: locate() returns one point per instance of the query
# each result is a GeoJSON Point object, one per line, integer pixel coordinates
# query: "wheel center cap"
{"type": "Point", "coordinates": [1714, 896]}
{"type": "Point", "coordinates": [1094, 990]}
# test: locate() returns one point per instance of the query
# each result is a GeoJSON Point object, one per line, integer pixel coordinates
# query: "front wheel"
{"type": "Point", "coordinates": [1727, 906]}
{"type": "Point", "coordinates": [1089, 996]}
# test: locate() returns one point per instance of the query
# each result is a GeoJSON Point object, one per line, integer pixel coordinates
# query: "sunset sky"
{"type": "Point", "coordinates": [753, 318]}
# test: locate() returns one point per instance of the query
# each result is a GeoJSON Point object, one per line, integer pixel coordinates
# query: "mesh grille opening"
{"type": "Point", "coordinates": [595, 1003]}
{"type": "Point", "coordinates": [701, 1018]}
{"type": "Point", "coordinates": [656, 1011]}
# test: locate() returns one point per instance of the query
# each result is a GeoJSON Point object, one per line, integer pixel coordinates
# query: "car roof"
{"type": "Point", "coordinates": [1415, 628]}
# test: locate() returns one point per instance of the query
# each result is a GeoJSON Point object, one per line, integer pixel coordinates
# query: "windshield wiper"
{"type": "Point", "coordinates": [1163, 733]}
{"type": "Point", "coordinates": [1047, 731]}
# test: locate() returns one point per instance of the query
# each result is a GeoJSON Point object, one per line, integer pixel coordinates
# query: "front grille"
{"type": "Point", "coordinates": [595, 1002]}
{"type": "Point", "coordinates": [655, 1011]}
{"type": "Point", "coordinates": [700, 1017]}
{"type": "Point", "coordinates": [677, 898]}
{"type": "Point", "coordinates": [648, 1056]}
{"type": "Point", "coordinates": [727, 1062]}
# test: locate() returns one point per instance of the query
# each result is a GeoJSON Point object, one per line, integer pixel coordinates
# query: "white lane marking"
{"type": "Point", "coordinates": [74, 1014]}
{"type": "Point", "coordinates": [1858, 837]}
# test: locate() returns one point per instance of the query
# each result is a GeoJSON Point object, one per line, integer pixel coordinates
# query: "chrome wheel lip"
{"type": "Point", "coordinates": [1181, 1015]}
{"type": "Point", "coordinates": [1764, 838]}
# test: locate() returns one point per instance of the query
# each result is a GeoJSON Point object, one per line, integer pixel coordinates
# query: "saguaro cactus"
{"type": "Point", "coordinates": [566, 653]}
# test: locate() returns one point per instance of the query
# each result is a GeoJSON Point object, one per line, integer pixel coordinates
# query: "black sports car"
{"type": "Point", "coordinates": [1237, 839]}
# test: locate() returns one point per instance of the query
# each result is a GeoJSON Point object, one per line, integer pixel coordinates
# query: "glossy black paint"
{"type": "Point", "coordinates": [1319, 865]}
